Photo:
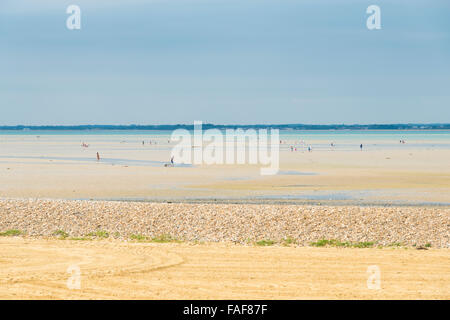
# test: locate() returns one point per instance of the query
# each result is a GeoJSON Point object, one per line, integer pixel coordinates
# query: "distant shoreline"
{"type": "Point", "coordinates": [408, 126]}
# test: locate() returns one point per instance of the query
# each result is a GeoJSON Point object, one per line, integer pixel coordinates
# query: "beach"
{"type": "Point", "coordinates": [142, 230]}
{"type": "Point", "coordinates": [385, 172]}
{"type": "Point", "coordinates": [224, 150]}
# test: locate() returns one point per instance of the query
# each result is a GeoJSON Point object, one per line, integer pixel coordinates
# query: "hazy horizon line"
{"type": "Point", "coordinates": [379, 126]}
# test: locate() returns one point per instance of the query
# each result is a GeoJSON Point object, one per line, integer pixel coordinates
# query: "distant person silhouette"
{"type": "Point", "coordinates": [98, 156]}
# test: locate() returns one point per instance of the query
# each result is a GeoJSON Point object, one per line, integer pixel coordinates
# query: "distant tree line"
{"type": "Point", "coordinates": [407, 126]}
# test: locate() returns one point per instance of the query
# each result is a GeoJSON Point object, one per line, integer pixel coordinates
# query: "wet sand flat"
{"type": "Point", "coordinates": [55, 168]}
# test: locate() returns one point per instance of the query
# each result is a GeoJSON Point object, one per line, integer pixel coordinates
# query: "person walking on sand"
{"type": "Point", "coordinates": [98, 156]}
{"type": "Point", "coordinates": [360, 146]}
{"type": "Point", "coordinates": [171, 160]}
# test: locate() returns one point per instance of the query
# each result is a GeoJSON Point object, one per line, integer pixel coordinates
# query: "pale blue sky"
{"type": "Point", "coordinates": [224, 61]}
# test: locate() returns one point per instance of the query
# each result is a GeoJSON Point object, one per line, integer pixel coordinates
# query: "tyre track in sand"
{"type": "Point", "coordinates": [39, 268]}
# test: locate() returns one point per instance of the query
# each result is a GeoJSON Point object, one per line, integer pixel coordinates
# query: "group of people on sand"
{"type": "Point", "coordinates": [294, 149]}
{"type": "Point", "coordinates": [309, 148]}
{"type": "Point", "coordinates": [151, 142]}
{"type": "Point", "coordinates": [85, 145]}
{"type": "Point", "coordinates": [171, 164]}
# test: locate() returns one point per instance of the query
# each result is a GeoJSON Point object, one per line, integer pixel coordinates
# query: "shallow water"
{"type": "Point", "coordinates": [344, 140]}
{"type": "Point", "coordinates": [296, 173]}
{"type": "Point", "coordinates": [103, 160]}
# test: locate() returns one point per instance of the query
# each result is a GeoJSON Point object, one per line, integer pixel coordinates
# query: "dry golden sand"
{"type": "Point", "coordinates": [37, 269]}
